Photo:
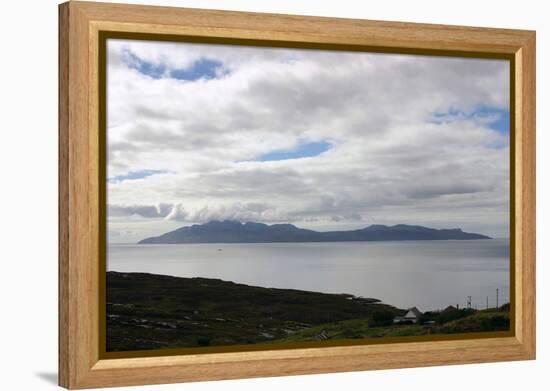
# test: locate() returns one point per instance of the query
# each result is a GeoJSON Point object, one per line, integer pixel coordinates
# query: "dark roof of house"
{"type": "Point", "coordinates": [449, 309]}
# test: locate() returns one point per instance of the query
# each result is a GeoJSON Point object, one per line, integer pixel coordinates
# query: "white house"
{"type": "Point", "coordinates": [412, 315]}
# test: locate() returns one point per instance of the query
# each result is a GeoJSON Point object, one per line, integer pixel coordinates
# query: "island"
{"type": "Point", "coordinates": [237, 232]}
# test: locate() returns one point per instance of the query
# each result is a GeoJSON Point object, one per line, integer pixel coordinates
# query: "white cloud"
{"type": "Point", "coordinates": [389, 161]}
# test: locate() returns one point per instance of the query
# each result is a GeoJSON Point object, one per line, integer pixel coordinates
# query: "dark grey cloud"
{"type": "Point", "coordinates": [147, 211]}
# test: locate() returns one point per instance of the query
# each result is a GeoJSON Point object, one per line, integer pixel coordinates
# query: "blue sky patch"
{"type": "Point", "coordinates": [302, 150]}
{"type": "Point", "coordinates": [501, 123]}
{"type": "Point", "coordinates": [203, 68]}
{"type": "Point", "coordinates": [136, 175]}
{"type": "Point", "coordinates": [496, 119]}
{"type": "Point", "coordinates": [144, 67]}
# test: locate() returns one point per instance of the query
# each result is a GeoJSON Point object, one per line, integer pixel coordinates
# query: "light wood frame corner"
{"type": "Point", "coordinates": [80, 24]}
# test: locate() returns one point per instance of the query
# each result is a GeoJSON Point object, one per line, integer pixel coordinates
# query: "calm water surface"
{"type": "Point", "coordinates": [426, 274]}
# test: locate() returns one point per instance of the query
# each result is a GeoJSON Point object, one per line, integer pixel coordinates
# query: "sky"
{"type": "Point", "coordinates": [324, 140]}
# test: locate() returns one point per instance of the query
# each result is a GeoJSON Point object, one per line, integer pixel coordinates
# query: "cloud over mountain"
{"type": "Point", "coordinates": [406, 139]}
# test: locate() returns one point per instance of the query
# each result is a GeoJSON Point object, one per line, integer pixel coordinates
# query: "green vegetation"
{"type": "Point", "coordinates": [486, 320]}
{"type": "Point", "coordinates": [353, 329]}
{"type": "Point", "coordinates": [445, 316]}
{"type": "Point", "coordinates": [146, 311]}
{"type": "Point", "coordinates": [475, 321]}
{"type": "Point", "coordinates": [382, 318]}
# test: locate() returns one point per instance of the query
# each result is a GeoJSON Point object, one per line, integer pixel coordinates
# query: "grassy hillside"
{"type": "Point", "coordinates": [475, 321]}
{"type": "Point", "coordinates": [486, 320]}
{"type": "Point", "coordinates": [147, 311]}
{"type": "Point", "coordinates": [352, 329]}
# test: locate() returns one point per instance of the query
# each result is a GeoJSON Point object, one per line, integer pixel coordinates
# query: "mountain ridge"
{"type": "Point", "coordinates": [230, 231]}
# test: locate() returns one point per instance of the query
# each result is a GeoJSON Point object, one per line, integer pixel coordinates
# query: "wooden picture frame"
{"type": "Point", "coordinates": [81, 172]}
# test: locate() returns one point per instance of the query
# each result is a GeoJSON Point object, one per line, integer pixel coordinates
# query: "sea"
{"type": "Point", "coordinates": [429, 275]}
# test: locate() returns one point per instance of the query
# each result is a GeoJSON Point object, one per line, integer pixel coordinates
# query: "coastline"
{"type": "Point", "coordinates": [151, 311]}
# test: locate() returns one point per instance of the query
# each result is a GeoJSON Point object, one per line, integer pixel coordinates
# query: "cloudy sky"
{"type": "Point", "coordinates": [321, 139]}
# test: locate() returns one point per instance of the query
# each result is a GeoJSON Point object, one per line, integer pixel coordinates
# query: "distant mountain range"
{"type": "Point", "coordinates": [237, 232]}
